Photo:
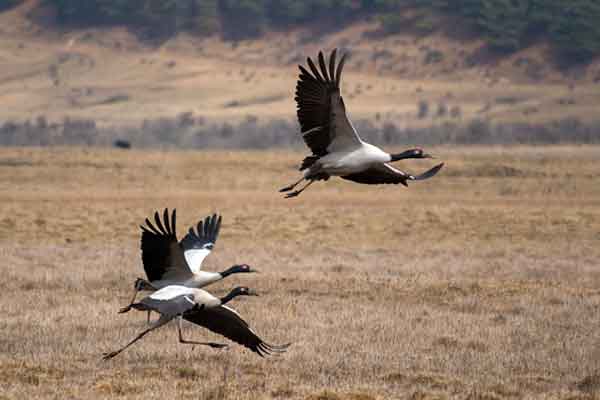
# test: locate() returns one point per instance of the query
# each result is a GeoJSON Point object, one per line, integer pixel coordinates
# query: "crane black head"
{"type": "Point", "coordinates": [236, 269]}
{"type": "Point", "coordinates": [238, 291]}
{"type": "Point", "coordinates": [412, 153]}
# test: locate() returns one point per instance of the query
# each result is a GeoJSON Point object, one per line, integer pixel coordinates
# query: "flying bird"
{"type": "Point", "coordinates": [169, 262]}
{"type": "Point", "coordinates": [201, 308]}
{"type": "Point", "coordinates": [336, 148]}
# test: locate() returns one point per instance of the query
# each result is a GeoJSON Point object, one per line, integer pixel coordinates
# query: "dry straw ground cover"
{"type": "Point", "coordinates": [482, 283]}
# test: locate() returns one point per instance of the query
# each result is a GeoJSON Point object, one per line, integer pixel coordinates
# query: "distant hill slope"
{"type": "Point", "coordinates": [572, 28]}
{"type": "Point", "coordinates": [110, 76]}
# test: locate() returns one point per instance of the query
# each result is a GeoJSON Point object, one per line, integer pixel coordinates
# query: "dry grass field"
{"type": "Point", "coordinates": [482, 283]}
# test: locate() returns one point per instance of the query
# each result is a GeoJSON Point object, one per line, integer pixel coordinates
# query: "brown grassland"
{"type": "Point", "coordinates": [482, 283]}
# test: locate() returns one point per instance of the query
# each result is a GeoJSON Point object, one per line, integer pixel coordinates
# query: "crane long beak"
{"type": "Point", "coordinates": [252, 292]}
{"type": "Point", "coordinates": [426, 155]}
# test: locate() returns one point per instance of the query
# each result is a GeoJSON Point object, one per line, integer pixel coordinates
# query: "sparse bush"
{"type": "Point", "coordinates": [423, 109]}
{"type": "Point", "coordinates": [392, 23]}
{"type": "Point", "coordinates": [433, 57]}
{"type": "Point", "coordinates": [185, 120]}
{"type": "Point", "coordinates": [510, 100]}
{"type": "Point", "coordinates": [389, 132]}
{"type": "Point", "coordinates": [477, 131]}
{"type": "Point", "coordinates": [6, 4]}
{"type": "Point", "coordinates": [187, 131]}
{"type": "Point", "coordinates": [381, 54]}
{"type": "Point", "coordinates": [232, 104]}
{"type": "Point", "coordinates": [566, 101]}
{"type": "Point", "coordinates": [242, 19]}
{"type": "Point", "coordinates": [117, 98]}
{"type": "Point", "coordinates": [187, 373]}
{"type": "Point", "coordinates": [122, 144]}
{"type": "Point", "coordinates": [455, 112]}
{"type": "Point", "coordinates": [204, 18]}
{"type": "Point", "coordinates": [442, 110]}
{"type": "Point", "coordinates": [425, 24]}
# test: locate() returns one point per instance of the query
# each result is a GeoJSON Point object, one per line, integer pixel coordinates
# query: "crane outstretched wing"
{"type": "Point", "coordinates": [162, 255]}
{"type": "Point", "coordinates": [320, 107]}
{"type": "Point", "coordinates": [227, 322]}
{"type": "Point", "coordinates": [165, 258]}
{"type": "Point", "coordinates": [197, 245]}
{"type": "Point", "coordinates": [386, 174]}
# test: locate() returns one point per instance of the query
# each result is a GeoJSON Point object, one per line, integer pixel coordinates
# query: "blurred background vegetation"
{"type": "Point", "coordinates": [475, 71]}
{"type": "Point", "coordinates": [571, 27]}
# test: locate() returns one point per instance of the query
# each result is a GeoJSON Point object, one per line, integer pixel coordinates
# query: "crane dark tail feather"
{"type": "Point", "coordinates": [430, 173]}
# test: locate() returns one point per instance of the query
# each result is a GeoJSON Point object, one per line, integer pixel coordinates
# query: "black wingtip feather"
{"type": "Point", "coordinates": [314, 88]}
{"type": "Point", "coordinates": [314, 70]}
{"type": "Point", "coordinates": [323, 67]}
{"type": "Point", "coordinates": [218, 228]}
{"type": "Point", "coordinates": [166, 221]}
{"type": "Point", "coordinates": [156, 244]}
{"type": "Point", "coordinates": [146, 230]}
{"type": "Point", "coordinates": [152, 228]}
{"type": "Point", "coordinates": [332, 64]}
{"type": "Point", "coordinates": [338, 73]}
{"type": "Point", "coordinates": [430, 173]}
{"type": "Point", "coordinates": [199, 228]}
{"type": "Point", "coordinates": [159, 224]}
{"type": "Point", "coordinates": [305, 75]}
{"type": "Point", "coordinates": [213, 226]}
{"type": "Point", "coordinates": [206, 226]}
{"type": "Point", "coordinates": [173, 222]}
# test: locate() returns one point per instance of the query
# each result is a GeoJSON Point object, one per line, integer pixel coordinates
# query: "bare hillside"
{"type": "Point", "coordinates": [113, 78]}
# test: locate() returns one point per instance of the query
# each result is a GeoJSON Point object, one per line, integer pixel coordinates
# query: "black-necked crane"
{"type": "Point", "coordinates": [169, 262]}
{"type": "Point", "coordinates": [201, 308]}
{"type": "Point", "coordinates": [336, 148]}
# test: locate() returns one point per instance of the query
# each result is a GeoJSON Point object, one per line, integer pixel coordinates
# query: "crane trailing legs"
{"type": "Point", "coordinates": [201, 308]}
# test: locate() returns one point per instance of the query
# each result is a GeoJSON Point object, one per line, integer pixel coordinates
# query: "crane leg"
{"type": "Point", "coordinates": [290, 187]}
{"type": "Point", "coordinates": [211, 344]}
{"type": "Point", "coordinates": [161, 321]}
{"type": "Point", "coordinates": [297, 192]}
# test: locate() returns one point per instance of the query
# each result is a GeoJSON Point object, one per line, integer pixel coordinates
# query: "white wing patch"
{"type": "Point", "coordinates": [395, 170]}
{"type": "Point", "coordinates": [232, 310]}
{"type": "Point", "coordinates": [170, 292]}
{"type": "Point", "coordinates": [195, 257]}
